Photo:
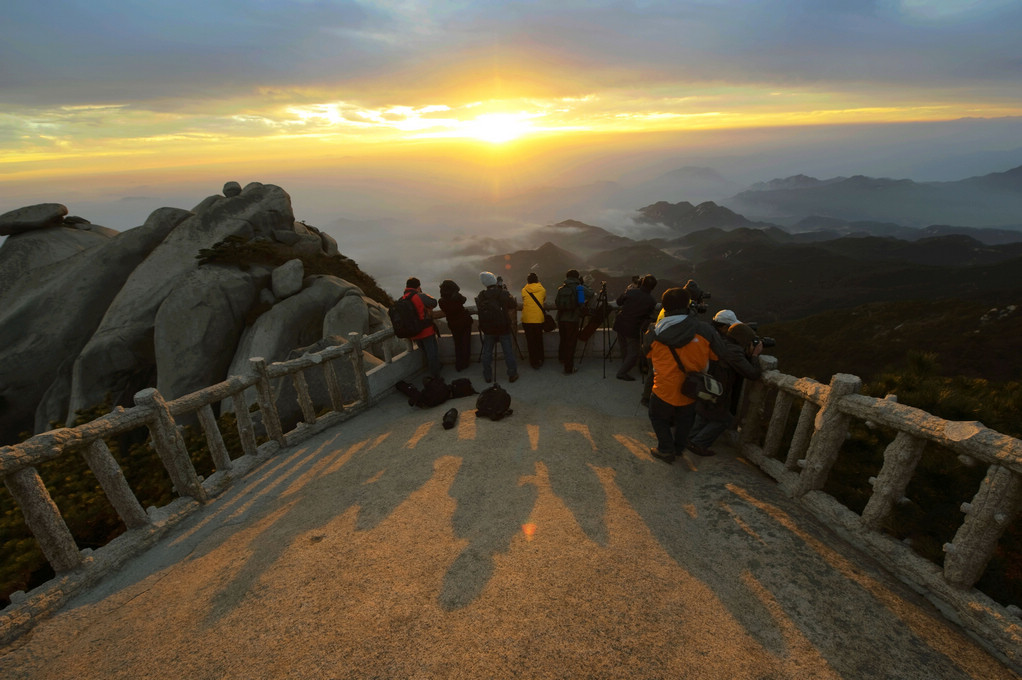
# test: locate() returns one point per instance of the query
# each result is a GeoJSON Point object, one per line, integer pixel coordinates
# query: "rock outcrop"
{"type": "Point", "coordinates": [89, 315]}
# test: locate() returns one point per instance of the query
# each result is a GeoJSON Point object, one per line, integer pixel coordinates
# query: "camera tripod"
{"type": "Point", "coordinates": [599, 317]}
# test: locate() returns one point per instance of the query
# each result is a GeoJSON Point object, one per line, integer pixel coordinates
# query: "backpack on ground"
{"type": "Point", "coordinates": [494, 403]}
{"type": "Point", "coordinates": [462, 387]}
{"type": "Point", "coordinates": [492, 315]}
{"type": "Point", "coordinates": [567, 297]}
{"type": "Point", "coordinates": [405, 319]}
{"type": "Point", "coordinates": [434, 392]}
{"type": "Point", "coordinates": [409, 390]}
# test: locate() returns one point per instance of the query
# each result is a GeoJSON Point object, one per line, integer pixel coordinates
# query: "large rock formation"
{"type": "Point", "coordinates": [90, 316]}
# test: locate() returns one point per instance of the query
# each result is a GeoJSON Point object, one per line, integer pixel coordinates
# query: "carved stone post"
{"type": "Point", "coordinates": [115, 486]}
{"type": "Point", "coordinates": [803, 434]}
{"type": "Point", "coordinates": [169, 445]}
{"type": "Point", "coordinates": [304, 399]}
{"type": "Point", "coordinates": [986, 517]}
{"type": "Point", "coordinates": [755, 400]}
{"type": "Point", "coordinates": [900, 459]}
{"type": "Point", "coordinates": [358, 366]}
{"type": "Point", "coordinates": [831, 431]}
{"type": "Point", "coordinates": [267, 404]}
{"type": "Point", "coordinates": [245, 430]}
{"type": "Point", "coordinates": [778, 422]}
{"type": "Point", "coordinates": [333, 386]}
{"type": "Point", "coordinates": [215, 441]}
{"type": "Point", "coordinates": [43, 519]}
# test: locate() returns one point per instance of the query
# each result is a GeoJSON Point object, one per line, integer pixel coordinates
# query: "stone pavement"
{"type": "Point", "coordinates": [547, 545]}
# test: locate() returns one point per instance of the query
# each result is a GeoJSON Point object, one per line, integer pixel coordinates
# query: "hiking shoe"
{"type": "Point", "coordinates": [625, 376]}
{"type": "Point", "coordinates": [701, 450]}
{"type": "Point", "coordinates": [644, 401]}
{"type": "Point", "coordinates": [666, 457]}
{"type": "Point", "coordinates": [513, 378]}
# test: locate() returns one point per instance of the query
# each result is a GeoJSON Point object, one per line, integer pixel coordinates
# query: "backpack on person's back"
{"type": "Point", "coordinates": [404, 317]}
{"type": "Point", "coordinates": [567, 297]}
{"type": "Point", "coordinates": [492, 313]}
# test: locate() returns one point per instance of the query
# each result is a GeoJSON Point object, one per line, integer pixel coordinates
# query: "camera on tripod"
{"type": "Point", "coordinates": [765, 340]}
{"type": "Point", "coordinates": [697, 298]}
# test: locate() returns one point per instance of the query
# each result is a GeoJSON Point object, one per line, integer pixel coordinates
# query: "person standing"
{"type": "Point", "coordinates": [677, 344]}
{"type": "Point", "coordinates": [426, 338]}
{"type": "Point", "coordinates": [533, 299]}
{"type": "Point", "coordinates": [635, 311]}
{"type": "Point", "coordinates": [571, 300]}
{"type": "Point", "coordinates": [493, 305]}
{"type": "Point", "coordinates": [737, 361]}
{"type": "Point", "coordinates": [459, 320]}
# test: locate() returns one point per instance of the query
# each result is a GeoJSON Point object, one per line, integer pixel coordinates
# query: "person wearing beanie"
{"type": "Point", "coordinates": [493, 305]}
{"type": "Point", "coordinates": [677, 344]}
{"type": "Point", "coordinates": [571, 300]}
{"type": "Point", "coordinates": [635, 311]}
{"type": "Point", "coordinates": [426, 338]}
{"type": "Point", "coordinates": [533, 299]}
{"type": "Point", "coordinates": [459, 321]}
{"type": "Point", "coordinates": [736, 362]}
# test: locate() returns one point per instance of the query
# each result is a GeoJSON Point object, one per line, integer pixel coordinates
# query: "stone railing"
{"type": "Point", "coordinates": [78, 569]}
{"type": "Point", "coordinates": [814, 446]}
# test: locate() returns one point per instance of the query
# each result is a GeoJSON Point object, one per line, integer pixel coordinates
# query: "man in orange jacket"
{"type": "Point", "coordinates": [694, 344]}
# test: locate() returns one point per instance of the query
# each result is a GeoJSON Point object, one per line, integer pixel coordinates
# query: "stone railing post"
{"type": "Point", "coordinates": [267, 404]}
{"type": "Point", "coordinates": [215, 440]}
{"type": "Point", "coordinates": [831, 431]}
{"type": "Point", "coordinates": [333, 386]}
{"type": "Point", "coordinates": [900, 459]}
{"type": "Point", "coordinates": [802, 436]}
{"type": "Point", "coordinates": [752, 407]}
{"type": "Point", "coordinates": [43, 519]}
{"type": "Point", "coordinates": [245, 430]}
{"type": "Point", "coordinates": [986, 517]}
{"type": "Point", "coordinates": [778, 423]}
{"type": "Point", "coordinates": [301, 386]}
{"type": "Point", "coordinates": [115, 486]}
{"type": "Point", "coordinates": [358, 366]}
{"type": "Point", "coordinates": [169, 445]}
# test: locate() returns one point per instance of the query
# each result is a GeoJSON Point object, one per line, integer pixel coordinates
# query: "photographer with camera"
{"type": "Point", "coordinates": [736, 362]}
{"type": "Point", "coordinates": [677, 344]}
{"type": "Point", "coordinates": [635, 311]}
{"type": "Point", "coordinates": [493, 304]}
{"type": "Point", "coordinates": [571, 301]}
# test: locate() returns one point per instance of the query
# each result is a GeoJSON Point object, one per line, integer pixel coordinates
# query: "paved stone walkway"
{"type": "Point", "coordinates": [546, 545]}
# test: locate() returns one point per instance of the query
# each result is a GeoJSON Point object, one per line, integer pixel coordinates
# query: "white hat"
{"type": "Point", "coordinates": [725, 316]}
{"type": "Point", "coordinates": [487, 279]}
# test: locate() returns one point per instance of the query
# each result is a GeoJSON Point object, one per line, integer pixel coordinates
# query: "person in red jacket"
{"type": "Point", "coordinates": [426, 338]}
{"type": "Point", "coordinates": [677, 338]}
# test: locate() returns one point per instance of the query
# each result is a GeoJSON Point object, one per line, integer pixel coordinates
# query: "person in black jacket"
{"type": "Point", "coordinates": [738, 360]}
{"type": "Point", "coordinates": [493, 306]}
{"type": "Point", "coordinates": [452, 302]}
{"type": "Point", "coordinates": [635, 307]}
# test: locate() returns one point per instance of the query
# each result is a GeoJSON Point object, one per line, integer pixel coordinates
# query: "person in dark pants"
{"type": "Point", "coordinates": [533, 299]}
{"type": "Point", "coordinates": [459, 320]}
{"type": "Point", "coordinates": [426, 338]}
{"type": "Point", "coordinates": [493, 305]}
{"type": "Point", "coordinates": [571, 300]}
{"type": "Point", "coordinates": [676, 344]}
{"type": "Point", "coordinates": [635, 307]}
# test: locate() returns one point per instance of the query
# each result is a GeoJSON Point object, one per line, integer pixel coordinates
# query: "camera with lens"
{"type": "Point", "coordinates": [697, 298]}
{"type": "Point", "coordinates": [767, 342]}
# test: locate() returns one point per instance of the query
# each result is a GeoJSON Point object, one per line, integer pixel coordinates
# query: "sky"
{"type": "Point", "coordinates": [111, 104]}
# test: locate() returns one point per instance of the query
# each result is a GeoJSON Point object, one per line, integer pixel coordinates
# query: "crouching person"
{"type": "Point", "coordinates": [676, 344]}
{"type": "Point", "coordinates": [738, 360]}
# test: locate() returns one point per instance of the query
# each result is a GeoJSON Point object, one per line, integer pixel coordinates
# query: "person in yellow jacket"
{"type": "Point", "coordinates": [533, 299]}
{"type": "Point", "coordinates": [677, 338]}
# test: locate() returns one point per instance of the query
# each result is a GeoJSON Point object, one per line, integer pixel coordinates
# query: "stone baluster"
{"type": "Point", "coordinates": [215, 441]}
{"type": "Point", "coordinates": [245, 430]}
{"type": "Point", "coordinates": [830, 433]}
{"type": "Point", "coordinates": [115, 486]}
{"type": "Point", "coordinates": [267, 404]}
{"type": "Point", "coordinates": [43, 519]}
{"type": "Point", "coordinates": [388, 353]}
{"type": "Point", "coordinates": [778, 424]}
{"type": "Point", "coordinates": [802, 436]}
{"type": "Point", "coordinates": [986, 517]}
{"type": "Point", "coordinates": [358, 366]}
{"type": "Point", "coordinates": [169, 445]}
{"type": "Point", "coordinates": [304, 399]}
{"type": "Point", "coordinates": [900, 459]}
{"type": "Point", "coordinates": [333, 386]}
{"type": "Point", "coordinates": [755, 400]}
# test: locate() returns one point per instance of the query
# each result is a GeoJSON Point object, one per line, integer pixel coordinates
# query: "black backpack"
{"type": "Point", "coordinates": [434, 392]}
{"type": "Point", "coordinates": [461, 387]}
{"type": "Point", "coordinates": [404, 317]}
{"type": "Point", "coordinates": [567, 297]}
{"type": "Point", "coordinates": [492, 317]}
{"type": "Point", "coordinates": [494, 403]}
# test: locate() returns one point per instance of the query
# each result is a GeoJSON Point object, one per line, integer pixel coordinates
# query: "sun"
{"type": "Point", "coordinates": [497, 128]}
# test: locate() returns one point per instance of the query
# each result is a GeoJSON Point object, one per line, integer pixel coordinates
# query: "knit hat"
{"type": "Point", "coordinates": [448, 288]}
{"type": "Point", "coordinates": [741, 334]}
{"type": "Point", "coordinates": [488, 279]}
{"type": "Point", "coordinates": [726, 317]}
